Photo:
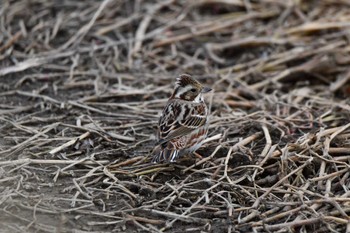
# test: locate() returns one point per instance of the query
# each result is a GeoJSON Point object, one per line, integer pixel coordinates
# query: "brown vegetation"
{"type": "Point", "coordinates": [82, 84]}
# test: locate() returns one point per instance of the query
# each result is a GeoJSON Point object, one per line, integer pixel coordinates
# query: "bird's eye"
{"type": "Point", "coordinates": [193, 90]}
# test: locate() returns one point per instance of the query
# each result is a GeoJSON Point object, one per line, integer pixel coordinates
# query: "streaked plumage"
{"type": "Point", "coordinates": [183, 124]}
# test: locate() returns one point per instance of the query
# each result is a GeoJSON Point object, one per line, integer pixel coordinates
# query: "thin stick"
{"type": "Point", "coordinates": [50, 161]}
{"type": "Point", "coordinates": [69, 143]}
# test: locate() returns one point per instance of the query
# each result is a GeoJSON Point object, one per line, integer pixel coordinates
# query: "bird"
{"type": "Point", "coordinates": [183, 124]}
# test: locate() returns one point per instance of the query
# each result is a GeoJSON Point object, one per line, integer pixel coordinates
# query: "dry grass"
{"type": "Point", "coordinates": [82, 84]}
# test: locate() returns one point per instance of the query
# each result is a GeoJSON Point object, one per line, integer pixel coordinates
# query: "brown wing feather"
{"type": "Point", "coordinates": [181, 119]}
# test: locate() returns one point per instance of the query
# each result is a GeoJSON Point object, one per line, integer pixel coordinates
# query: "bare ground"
{"type": "Point", "coordinates": [82, 84]}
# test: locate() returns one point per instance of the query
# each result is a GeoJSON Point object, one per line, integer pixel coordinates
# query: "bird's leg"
{"type": "Point", "coordinates": [198, 156]}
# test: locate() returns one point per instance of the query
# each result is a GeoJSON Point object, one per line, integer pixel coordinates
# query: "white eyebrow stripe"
{"type": "Point", "coordinates": [183, 90]}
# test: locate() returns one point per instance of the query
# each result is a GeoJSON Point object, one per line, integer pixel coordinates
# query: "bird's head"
{"type": "Point", "coordinates": [189, 89]}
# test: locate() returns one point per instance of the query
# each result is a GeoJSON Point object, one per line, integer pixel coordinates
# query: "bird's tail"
{"type": "Point", "coordinates": [167, 154]}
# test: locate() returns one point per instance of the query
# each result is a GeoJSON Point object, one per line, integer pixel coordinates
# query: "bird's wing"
{"type": "Point", "coordinates": [179, 119]}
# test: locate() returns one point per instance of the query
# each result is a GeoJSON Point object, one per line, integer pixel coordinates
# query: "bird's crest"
{"type": "Point", "coordinates": [185, 79]}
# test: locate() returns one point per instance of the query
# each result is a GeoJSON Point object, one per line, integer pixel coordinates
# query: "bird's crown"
{"type": "Point", "coordinates": [185, 79]}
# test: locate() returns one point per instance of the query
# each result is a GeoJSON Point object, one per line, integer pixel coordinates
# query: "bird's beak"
{"type": "Point", "coordinates": [206, 89]}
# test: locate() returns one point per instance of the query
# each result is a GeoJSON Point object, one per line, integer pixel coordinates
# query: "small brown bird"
{"type": "Point", "coordinates": [183, 124]}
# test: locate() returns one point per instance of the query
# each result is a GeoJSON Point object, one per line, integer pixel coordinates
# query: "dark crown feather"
{"type": "Point", "coordinates": [186, 79]}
